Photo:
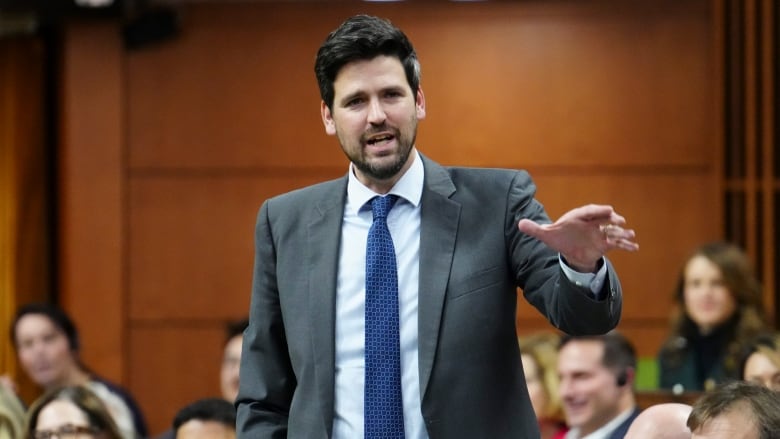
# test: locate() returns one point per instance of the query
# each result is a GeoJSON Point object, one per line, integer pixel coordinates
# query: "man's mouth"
{"type": "Point", "coordinates": [378, 139]}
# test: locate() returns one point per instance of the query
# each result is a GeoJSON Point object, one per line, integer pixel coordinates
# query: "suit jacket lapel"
{"type": "Point", "coordinates": [438, 230]}
{"type": "Point", "coordinates": [321, 257]}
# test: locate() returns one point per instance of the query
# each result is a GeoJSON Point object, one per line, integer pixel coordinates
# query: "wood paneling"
{"type": "Point", "coordinates": [172, 366]}
{"type": "Point", "coordinates": [92, 282]}
{"type": "Point", "coordinates": [25, 198]}
{"type": "Point", "coordinates": [566, 85]}
{"type": "Point", "coordinates": [190, 242]}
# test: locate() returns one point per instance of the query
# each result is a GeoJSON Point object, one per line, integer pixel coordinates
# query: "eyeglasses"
{"type": "Point", "coordinates": [67, 431]}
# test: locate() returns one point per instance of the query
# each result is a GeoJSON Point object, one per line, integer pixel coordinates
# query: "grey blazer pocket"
{"type": "Point", "coordinates": [475, 283]}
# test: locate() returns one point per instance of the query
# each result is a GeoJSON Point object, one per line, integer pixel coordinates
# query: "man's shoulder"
{"type": "Point", "coordinates": [494, 173]}
{"type": "Point", "coordinates": [490, 180]}
{"type": "Point", "coordinates": [311, 194]}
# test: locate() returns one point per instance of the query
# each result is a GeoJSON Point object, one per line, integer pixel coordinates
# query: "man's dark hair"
{"type": "Point", "coordinates": [57, 316]}
{"type": "Point", "coordinates": [754, 401]}
{"type": "Point", "coordinates": [619, 353]}
{"type": "Point", "coordinates": [234, 328]}
{"type": "Point", "coordinates": [207, 409]}
{"type": "Point", "coordinates": [363, 37]}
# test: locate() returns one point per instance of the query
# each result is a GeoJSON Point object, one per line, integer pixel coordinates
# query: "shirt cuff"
{"type": "Point", "coordinates": [593, 281]}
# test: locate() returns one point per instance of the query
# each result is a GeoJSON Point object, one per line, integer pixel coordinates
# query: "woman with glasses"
{"type": "Point", "coordinates": [72, 412]}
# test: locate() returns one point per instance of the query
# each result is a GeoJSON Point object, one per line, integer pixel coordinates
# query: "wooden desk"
{"type": "Point", "coordinates": [647, 398]}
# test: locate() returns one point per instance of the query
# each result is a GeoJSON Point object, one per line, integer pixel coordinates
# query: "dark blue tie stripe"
{"type": "Point", "coordinates": [383, 411]}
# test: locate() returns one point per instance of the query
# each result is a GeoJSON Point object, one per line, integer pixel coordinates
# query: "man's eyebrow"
{"type": "Point", "coordinates": [351, 96]}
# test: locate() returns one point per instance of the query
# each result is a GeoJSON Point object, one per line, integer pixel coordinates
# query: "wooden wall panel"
{"type": "Point", "coordinates": [506, 84]}
{"type": "Point", "coordinates": [173, 366]}
{"type": "Point", "coordinates": [91, 222]}
{"type": "Point", "coordinates": [25, 198]}
{"type": "Point", "coordinates": [191, 242]}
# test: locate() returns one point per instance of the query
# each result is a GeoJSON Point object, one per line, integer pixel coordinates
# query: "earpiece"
{"type": "Point", "coordinates": [622, 379]}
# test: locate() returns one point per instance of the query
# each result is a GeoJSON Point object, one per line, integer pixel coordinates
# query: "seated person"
{"type": "Point", "coordinates": [70, 412]}
{"type": "Point", "coordinates": [597, 385]}
{"type": "Point", "coordinates": [47, 344]}
{"type": "Point", "coordinates": [718, 307]}
{"type": "Point", "coordinates": [736, 410]}
{"type": "Point", "coordinates": [761, 361]}
{"type": "Point", "coordinates": [539, 354]}
{"type": "Point", "coordinates": [11, 414]}
{"type": "Point", "coordinates": [231, 359]}
{"type": "Point", "coordinates": [661, 421]}
{"type": "Point", "coordinates": [210, 418]}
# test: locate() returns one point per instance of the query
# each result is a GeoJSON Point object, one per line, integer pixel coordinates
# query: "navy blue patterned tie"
{"type": "Point", "coordinates": [384, 415]}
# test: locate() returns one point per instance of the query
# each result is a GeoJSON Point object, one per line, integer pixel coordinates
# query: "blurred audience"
{"type": "Point", "coordinates": [718, 308]}
{"type": "Point", "coordinates": [761, 361]}
{"type": "Point", "coordinates": [596, 385]}
{"type": "Point", "coordinates": [70, 412]}
{"type": "Point", "coordinates": [661, 421]}
{"type": "Point", "coordinates": [47, 344]}
{"type": "Point", "coordinates": [736, 410]}
{"type": "Point", "coordinates": [231, 359]}
{"type": "Point", "coordinates": [539, 353]}
{"type": "Point", "coordinates": [210, 418]}
{"type": "Point", "coordinates": [11, 414]}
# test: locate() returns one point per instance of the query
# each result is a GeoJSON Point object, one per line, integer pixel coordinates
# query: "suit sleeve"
{"type": "Point", "coordinates": [267, 381]}
{"type": "Point", "coordinates": [567, 306]}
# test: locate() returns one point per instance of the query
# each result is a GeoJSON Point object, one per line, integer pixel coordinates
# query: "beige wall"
{"type": "Point", "coordinates": [169, 151]}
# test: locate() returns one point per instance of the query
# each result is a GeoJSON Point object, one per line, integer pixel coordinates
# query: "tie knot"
{"type": "Point", "coordinates": [380, 206]}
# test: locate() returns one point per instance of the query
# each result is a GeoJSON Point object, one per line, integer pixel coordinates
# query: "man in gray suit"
{"type": "Point", "coordinates": [463, 239]}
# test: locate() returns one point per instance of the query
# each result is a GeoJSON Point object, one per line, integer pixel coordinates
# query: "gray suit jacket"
{"type": "Point", "coordinates": [472, 259]}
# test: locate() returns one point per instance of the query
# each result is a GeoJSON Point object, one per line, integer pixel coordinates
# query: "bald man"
{"type": "Point", "coordinates": [661, 421]}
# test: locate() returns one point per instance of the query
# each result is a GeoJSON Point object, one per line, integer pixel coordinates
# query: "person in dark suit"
{"type": "Point", "coordinates": [463, 241]}
{"type": "Point", "coordinates": [597, 385]}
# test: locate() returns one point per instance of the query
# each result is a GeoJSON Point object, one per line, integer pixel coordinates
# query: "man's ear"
{"type": "Point", "coordinates": [327, 119]}
{"type": "Point", "coordinates": [420, 104]}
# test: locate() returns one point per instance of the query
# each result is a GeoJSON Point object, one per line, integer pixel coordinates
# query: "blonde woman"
{"type": "Point", "coordinates": [539, 354]}
{"type": "Point", "coordinates": [11, 414]}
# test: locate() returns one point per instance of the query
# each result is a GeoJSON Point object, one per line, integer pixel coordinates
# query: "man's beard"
{"type": "Point", "coordinates": [380, 171]}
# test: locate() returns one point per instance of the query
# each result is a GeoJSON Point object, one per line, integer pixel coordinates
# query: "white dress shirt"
{"type": "Point", "coordinates": [605, 431]}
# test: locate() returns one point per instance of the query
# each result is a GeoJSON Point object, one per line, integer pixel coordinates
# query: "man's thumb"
{"type": "Point", "coordinates": [530, 227]}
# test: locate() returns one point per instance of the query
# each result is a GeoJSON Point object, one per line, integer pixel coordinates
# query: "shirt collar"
{"type": "Point", "coordinates": [606, 430]}
{"type": "Point", "coordinates": [409, 187]}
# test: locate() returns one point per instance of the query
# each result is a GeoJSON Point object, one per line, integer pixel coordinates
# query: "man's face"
{"type": "Point", "coordinates": [44, 351]}
{"type": "Point", "coordinates": [228, 374]}
{"type": "Point", "coordinates": [375, 116]}
{"type": "Point", "coordinates": [732, 424]}
{"type": "Point", "coordinates": [588, 389]}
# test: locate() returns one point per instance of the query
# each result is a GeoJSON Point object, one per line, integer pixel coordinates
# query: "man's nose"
{"type": "Point", "coordinates": [376, 114]}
